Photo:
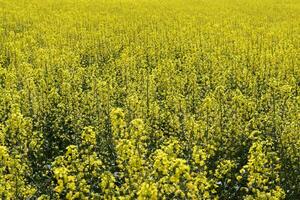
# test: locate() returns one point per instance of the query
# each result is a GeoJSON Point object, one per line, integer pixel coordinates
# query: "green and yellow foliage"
{"type": "Point", "coordinates": [149, 99]}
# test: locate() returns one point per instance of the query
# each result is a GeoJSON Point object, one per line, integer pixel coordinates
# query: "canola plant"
{"type": "Point", "coordinates": [149, 99]}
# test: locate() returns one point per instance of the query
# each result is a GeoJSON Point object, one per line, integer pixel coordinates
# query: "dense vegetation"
{"type": "Point", "coordinates": [149, 99]}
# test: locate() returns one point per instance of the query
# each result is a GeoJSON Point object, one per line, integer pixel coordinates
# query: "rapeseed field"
{"type": "Point", "coordinates": [149, 99]}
